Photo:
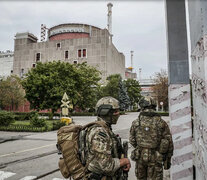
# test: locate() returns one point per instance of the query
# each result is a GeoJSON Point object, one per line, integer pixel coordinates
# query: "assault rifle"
{"type": "Point", "coordinates": [125, 152]}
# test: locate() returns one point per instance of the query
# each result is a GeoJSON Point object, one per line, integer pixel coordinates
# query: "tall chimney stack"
{"type": "Point", "coordinates": [132, 59]}
{"type": "Point", "coordinates": [109, 25]}
{"type": "Point", "coordinates": [140, 71]}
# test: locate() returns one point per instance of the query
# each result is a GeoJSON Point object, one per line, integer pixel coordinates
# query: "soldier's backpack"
{"type": "Point", "coordinates": [148, 130]}
{"type": "Point", "coordinates": [68, 138]}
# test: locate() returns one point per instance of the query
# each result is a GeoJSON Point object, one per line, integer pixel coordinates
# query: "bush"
{"type": "Point", "coordinates": [6, 118]}
{"type": "Point", "coordinates": [48, 113]}
{"type": "Point", "coordinates": [36, 121]}
{"type": "Point", "coordinates": [122, 112]}
{"type": "Point", "coordinates": [58, 125]}
{"type": "Point", "coordinates": [82, 114]}
{"type": "Point", "coordinates": [22, 116]}
{"type": "Point", "coordinates": [23, 128]}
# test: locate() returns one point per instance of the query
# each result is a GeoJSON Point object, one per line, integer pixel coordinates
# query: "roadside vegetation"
{"type": "Point", "coordinates": [44, 86]}
{"type": "Point", "coordinates": [12, 93]}
{"type": "Point", "coordinates": [161, 88]}
{"type": "Point", "coordinates": [10, 121]}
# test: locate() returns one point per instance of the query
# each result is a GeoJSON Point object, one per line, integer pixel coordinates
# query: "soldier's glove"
{"type": "Point", "coordinates": [167, 163]}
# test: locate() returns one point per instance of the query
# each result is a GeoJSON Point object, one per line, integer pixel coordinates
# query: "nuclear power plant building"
{"type": "Point", "coordinates": [73, 43]}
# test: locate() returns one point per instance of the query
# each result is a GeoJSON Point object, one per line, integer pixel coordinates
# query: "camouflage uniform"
{"type": "Point", "coordinates": [152, 140]}
{"type": "Point", "coordinates": [103, 147]}
{"type": "Point", "coordinates": [103, 156]}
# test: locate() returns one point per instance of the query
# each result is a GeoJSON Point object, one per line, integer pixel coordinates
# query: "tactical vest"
{"type": "Point", "coordinates": [117, 146]}
{"type": "Point", "coordinates": [147, 131]}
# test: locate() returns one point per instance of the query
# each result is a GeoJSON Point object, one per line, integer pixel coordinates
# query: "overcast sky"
{"type": "Point", "coordinates": [136, 25]}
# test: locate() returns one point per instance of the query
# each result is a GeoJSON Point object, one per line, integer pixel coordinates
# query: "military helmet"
{"type": "Point", "coordinates": [147, 102]}
{"type": "Point", "coordinates": [105, 104]}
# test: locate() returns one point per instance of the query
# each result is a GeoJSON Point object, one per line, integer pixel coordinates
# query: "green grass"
{"type": "Point", "coordinates": [21, 123]}
{"type": "Point", "coordinates": [49, 122]}
{"type": "Point", "coordinates": [27, 123]}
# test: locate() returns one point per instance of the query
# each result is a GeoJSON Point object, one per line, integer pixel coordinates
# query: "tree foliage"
{"type": "Point", "coordinates": [123, 96]}
{"type": "Point", "coordinates": [87, 86]}
{"type": "Point", "coordinates": [161, 88]}
{"type": "Point", "coordinates": [46, 84]}
{"type": "Point", "coordinates": [133, 90]}
{"type": "Point", "coordinates": [11, 93]}
{"type": "Point", "coordinates": [112, 86]}
{"type": "Point", "coordinates": [116, 89]}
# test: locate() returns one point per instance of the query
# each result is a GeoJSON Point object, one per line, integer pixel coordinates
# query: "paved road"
{"type": "Point", "coordinates": [25, 156]}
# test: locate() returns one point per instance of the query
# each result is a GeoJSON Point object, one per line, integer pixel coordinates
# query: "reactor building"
{"type": "Point", "coordinates": [73, 43]}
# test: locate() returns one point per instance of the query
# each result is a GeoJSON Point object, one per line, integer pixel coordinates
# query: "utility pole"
{"type": "Point", "coordinates": [132, 59]}
{"type": "Point", "coordinates": [179, 91]}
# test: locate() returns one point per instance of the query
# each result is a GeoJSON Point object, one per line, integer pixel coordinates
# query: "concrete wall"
{"type": "Point", "coordinates": [6, 63]}
{"type": "Point", "coordinates": [198, 35]}
{"type": "Point", "coordinates": [100, 52]}
{"type": "Point", "coordinates": [115, 61]}
{"type": "Point", "coordinates": [197, 20]}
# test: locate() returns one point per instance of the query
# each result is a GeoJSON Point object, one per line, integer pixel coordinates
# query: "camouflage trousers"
{"type": "Point", "coordinates": [148, 171]}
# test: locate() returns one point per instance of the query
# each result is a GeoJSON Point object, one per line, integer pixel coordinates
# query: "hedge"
{"type": "Point", "coordinates": [22, 116]}
{"type": "Point", "coordinates": [6, 118]}
{"type": "Point", "coordinates": [23, 128]}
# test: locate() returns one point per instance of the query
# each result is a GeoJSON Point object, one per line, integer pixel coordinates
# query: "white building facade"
{"type": "Point", "coordinates": [6, 63]}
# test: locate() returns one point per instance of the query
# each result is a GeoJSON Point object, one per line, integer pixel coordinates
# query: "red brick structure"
{"type": "Point", "coordinates": [69, 36]}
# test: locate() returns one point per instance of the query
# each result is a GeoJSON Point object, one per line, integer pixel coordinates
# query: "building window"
{"type": "Point", "coordinates": [33, 65]}
{"type": "Point", "coordinates": [66, 54]}
{"type": "Point", "coordinates": [38, 57]}
{"type": "Point", "coordinates": [22, 73]}
{"type": "Point", "coordinates": [82, 53]}
{"type": "Point", "coordinates": [79, 53]}
{"type": "Point", "coordinates": [58, 45]}
{"type": "Point", "coordinates": [75, 62]}
{"type": "Point", "coordinates": [11, 71]}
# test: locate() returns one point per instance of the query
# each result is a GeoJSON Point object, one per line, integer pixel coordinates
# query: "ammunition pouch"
{"type": "Point", "coordinates": [158, 157]}
{"type": "Point", "coordinates": [95, 176]}
{"type": "Point", "coordinates": [164, 146]}
{"type": "Point", "coordinates": [146, 155]}
{"type": "Point", "coordinates": [135, 154]}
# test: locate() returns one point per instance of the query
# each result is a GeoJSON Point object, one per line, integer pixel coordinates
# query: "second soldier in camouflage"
{"type": "Point", "coordinates": [152, 140]}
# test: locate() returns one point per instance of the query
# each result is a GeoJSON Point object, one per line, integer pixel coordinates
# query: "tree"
{"type": "Point", "coordinates": [46, 84]}
{"type": "Point", "coordinates": [123, 96]}
{"type": "Point", "coordinates": [87, 86]}
{"type": "Point", "coordinates": [115, 88]}
{"type": "Point", "coordinates": [11, 93]}
{"type": "Point", "coordinates": [133, 90]}
{"type": "Point", "coordinates": [112, 86]}
{"type": "Point", "coordinates": [161, 88]}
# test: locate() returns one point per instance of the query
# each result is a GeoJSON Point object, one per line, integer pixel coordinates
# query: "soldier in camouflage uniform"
{"type": "Point", "coordinates": [103, 146]}
{"type": "Point", "coordinates": [152, 140]}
